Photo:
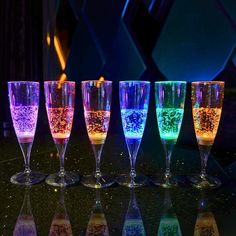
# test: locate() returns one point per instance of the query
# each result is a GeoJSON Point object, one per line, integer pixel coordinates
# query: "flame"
{"type": "Point", "coordinates": [100, 81]}
{"type": "Point", "coordinates": [60, 53]}
{"type": "Point", "coordinates": [48, 39]}
{"type": "Point", "coordinates": [62, 78]}
{"type": "Point", "coordinates": [62, 60]}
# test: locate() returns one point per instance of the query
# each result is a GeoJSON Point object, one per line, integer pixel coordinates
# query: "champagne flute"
{"type": "Point", "coordinates": [24, 103]}
{"type": "Point", "coordinates": [170, 99]}
{"type": "Point", "coordinates": [134, 100]}
{"type": "Point", "coordinates": [97, 104]}
{"type": "Point", "coordinates": [207, 101]}
{"type": "Point", "coordinates": [60, 98]}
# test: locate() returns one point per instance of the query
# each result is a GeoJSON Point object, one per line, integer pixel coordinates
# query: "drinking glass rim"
{"type": "Point", "coordinates": [94, 80]}
{"type": "Point", "coordinates": [134, 81]}
{"type": "Point", "coordinates": [57, 81]}
{"type": "Point", "coordinates": [207, 82]}
{"type": "Point", "coordinates": [171, 82]}
{"type": "Point", "coordinates": [23, 82]}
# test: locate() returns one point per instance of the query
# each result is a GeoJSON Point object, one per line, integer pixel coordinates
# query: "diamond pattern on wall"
{"type": "Point", "coordinates": [102, 44]}
{"type": "Point", "coordinates": [124, 61]}
{"type": "Point", "coordinates": [196, 41]}
{"type": "Point", "coordinates": [229, 7]}
{"type": "Point", "coordinates": [234, 58]}
{"type": "Point", "coordinates": [193, 42]}
{"type": "Point", "coordinates": [60, 24]}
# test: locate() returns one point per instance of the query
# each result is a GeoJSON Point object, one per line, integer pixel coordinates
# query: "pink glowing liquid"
{"type": "Point", "coordinates": [24, 121]}
{"type": "Point", "coordinates": [60, 122]}
{"type": "Point", "coordinates": [60, 226]}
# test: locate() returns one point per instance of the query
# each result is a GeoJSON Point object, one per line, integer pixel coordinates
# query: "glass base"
{"type": "Point", "coordinates": [138, 181]}
{"type": "Point", "coordinates": [68, 179]}
{"type": "Point", "coordinates": [207, 182]}
{"type": "Point", "coordinates": [27, 179]}
{"type": "Point", "coordinates": [92, 182]}
{"type": "Point", "coordinates": [164, 182]}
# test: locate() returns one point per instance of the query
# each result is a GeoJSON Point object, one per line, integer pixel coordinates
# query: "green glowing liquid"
{"type": "Point", "coordinates": [169, 227]}
{"type": "Point", "coordinates": [169, 122]}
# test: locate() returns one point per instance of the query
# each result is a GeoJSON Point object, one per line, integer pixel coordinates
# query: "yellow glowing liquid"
{"type": "Point", "coordinates": [97, 123]}
{"type": "Point", "coordinates": [206, 122]}
{"type": "Point", "coordinates": [206, 225]}
{"type": "Point", "coordinates": [61, 135]}
{"type": "Point", "coordinates": [60, 227]}
{"type": "Point", "coordinates": [97, 225]}
{"type": "Point", "coordinates": [98, 138]}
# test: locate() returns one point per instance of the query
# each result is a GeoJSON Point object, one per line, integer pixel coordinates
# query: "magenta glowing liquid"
{"type": "Point", "coordinates": [24, 121]}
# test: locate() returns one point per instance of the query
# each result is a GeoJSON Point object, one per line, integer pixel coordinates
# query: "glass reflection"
{"type": "Point", "coordinates": [169, 224]}
{"type": "Point", "coordinates": [61, 222]}
{"type": "Point", "coordinates": [133, 224]}
{"type": "Point", "coordinates": [205, 223]}
{"type": "Point", "coordinates": [25, 225]}
{"type": "Point", "coordinates": [97, 225]}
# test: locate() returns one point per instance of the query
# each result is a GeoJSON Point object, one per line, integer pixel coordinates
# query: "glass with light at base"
{"type": "Point", "coordinates": [97, 104]}
{"type": "Point", "coordinates": [207, 101]}
{"type": "Point", "coordinates": [24, 103]}
{"type": "Point", "coordinates": [170, 99]}
{"type": "Point", "coordinates": [60, 98]}
{"type": "Point", "coordinates": [134, 101]}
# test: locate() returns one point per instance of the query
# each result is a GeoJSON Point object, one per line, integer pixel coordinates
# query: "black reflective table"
{"type": "Point", "coordinates": [150, 209]}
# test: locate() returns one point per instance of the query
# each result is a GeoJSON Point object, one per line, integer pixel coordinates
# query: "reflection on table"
{"type": "Point", "coordinates": [61, 223]}
{"type": "Point", "coordinates": [169, 224]}
{"type": "Point", "coordinates": [25, 225]}
{"type": "Point", "coordinates": [133, 224]}
{"type": "Point", "coordinates": [205, 222]}
{"type": "Point", "coordinates": [97, 225]}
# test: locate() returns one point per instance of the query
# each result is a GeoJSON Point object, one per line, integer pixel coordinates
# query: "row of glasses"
{"type": "Point", "coordinates": [207, 100]}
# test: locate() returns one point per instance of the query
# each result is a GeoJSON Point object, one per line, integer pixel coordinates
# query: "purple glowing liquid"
{"type": "Point", "coordinates": [25, 226]}
{"type": "Point", "coordinates": [24, 121]}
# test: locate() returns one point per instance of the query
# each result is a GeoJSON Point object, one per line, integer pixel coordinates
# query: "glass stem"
{"type": "Point", "coordinates": [167, 172]}
{"type": "Point", "coordinates": [61, 149]}
{"type": "Point", "coordinates": [62, 168]}
{"type": "Point", "coordinates": [204, 165]}
{"type": "Point", "coordinates": [132, 168]}
{"type": "Point", "coordinates": [26, 150]}
{"type": "Point", "coordinates": [168, 147]}
{"type": "Point", "coordinates": [204, 153]}
{"type": "Point", "coordinates": [133, 147]}
{"type": "Point", "coordinates": [98, 171]}
{"type": "Point", "coordinates": [97, 149]}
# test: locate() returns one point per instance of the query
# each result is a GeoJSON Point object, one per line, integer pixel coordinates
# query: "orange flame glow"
{"type": "Point", "coordinates": [48, 39]}
{"type": "Point", "coordinates": [100, 81]}
{"type": "Point", "coordinates": [60, 53]}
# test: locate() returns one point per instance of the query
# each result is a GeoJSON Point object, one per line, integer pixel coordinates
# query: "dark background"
{"type": "Point", "coordinates": [121, 40]}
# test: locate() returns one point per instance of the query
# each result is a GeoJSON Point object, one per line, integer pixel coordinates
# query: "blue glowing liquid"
{"type": "Point", "coordinates": [133, 121]}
